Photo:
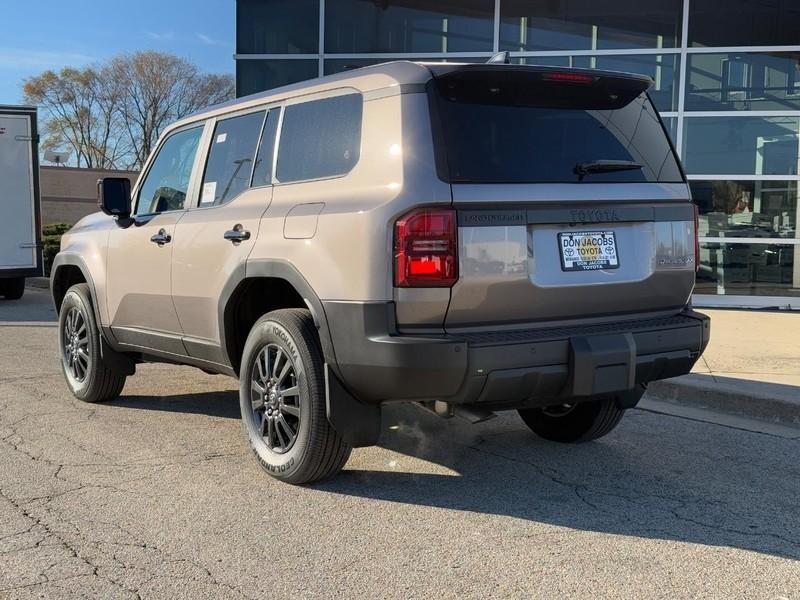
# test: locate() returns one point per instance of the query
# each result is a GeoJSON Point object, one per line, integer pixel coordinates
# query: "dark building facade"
{"type": "Point", "coordinates": [727, 82]}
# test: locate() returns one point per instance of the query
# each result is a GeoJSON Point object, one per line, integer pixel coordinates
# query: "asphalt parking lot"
{"type": "Point", "coordinates": [156, 495]}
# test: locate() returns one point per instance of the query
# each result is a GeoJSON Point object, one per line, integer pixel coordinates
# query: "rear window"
{"type": "Point", "coordinates": [521, 126]}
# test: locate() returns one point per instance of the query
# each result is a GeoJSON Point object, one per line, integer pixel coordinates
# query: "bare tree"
{"type": "Point", "coordinates": [112, 114]}
{"type": "Point", "coordinates": [157, 89]}
{"type": "Point", "coordinates": [82, 114]}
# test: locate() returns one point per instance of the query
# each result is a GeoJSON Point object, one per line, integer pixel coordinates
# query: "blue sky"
{"type": "Point", "coordinates": [45, 34]}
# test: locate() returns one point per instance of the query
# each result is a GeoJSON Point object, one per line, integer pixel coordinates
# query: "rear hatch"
{"type": "Point", "coordinates": [570, 200]}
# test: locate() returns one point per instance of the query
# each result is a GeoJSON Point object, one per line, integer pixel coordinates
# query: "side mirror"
{"type": "Point", "coordinates": [114, 196]}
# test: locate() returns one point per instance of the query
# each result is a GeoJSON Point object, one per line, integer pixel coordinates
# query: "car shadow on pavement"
{"type": "Point", "coordinates": [224, 404]}
{"type": "Point", "coordinates": [656, 476]}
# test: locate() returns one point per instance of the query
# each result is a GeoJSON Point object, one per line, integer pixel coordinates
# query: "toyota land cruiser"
{"type": "Point", "coordinates": [470, 237]}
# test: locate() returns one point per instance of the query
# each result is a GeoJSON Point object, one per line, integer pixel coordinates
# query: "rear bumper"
{"type": "Point", "coordinates": [508, 368]}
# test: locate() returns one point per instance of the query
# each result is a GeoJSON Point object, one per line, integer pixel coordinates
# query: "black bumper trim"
{"type": "Point", "coordinates": [509, 367]}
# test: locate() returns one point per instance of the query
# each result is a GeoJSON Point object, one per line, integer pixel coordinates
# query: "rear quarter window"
{"type": "Point", "coordinates": [321, 138]}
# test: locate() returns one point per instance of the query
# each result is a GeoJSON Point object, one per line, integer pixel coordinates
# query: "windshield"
{"type": "Point", "coordinates": [522, 127]}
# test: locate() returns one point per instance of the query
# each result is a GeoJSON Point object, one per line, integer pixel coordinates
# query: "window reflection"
{"type": "Point", "coordinates": [589, 24]}
{"type": "Point", "coordinates": [258, 75]}
{"type": "Point", "coordinates": [277, 26]}
{"type": "Point", "coordinates": [744, 22]}
{"type": "Point", "coordinates": [741, 145]}
{"type": "Point", "coordinates": [748, 270]}
{"type": "Point", "coordinates": [751, 209]}
{"type": "Point", "coordinates": [409, 26]}
{"type": "Point", "coordinates": [769, 81]}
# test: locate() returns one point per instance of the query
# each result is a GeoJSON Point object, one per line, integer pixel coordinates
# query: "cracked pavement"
{"type": "Point", "coordinates": [155, 495]}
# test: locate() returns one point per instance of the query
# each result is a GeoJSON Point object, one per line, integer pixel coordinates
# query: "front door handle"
{"type": "Point", "coordinates": [237, 235]}
{"type": "Point", "coordinates": [161, 238]}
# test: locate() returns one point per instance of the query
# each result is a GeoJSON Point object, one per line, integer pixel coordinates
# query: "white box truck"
{"type": "Point", "coordinates": [20, 214]}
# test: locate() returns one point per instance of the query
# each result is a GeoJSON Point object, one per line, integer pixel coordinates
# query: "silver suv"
{"type": "Point", "coordinates": [472, 238]}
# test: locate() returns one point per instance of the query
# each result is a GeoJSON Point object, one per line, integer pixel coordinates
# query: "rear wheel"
{"type": "Point", "coordinates": [90, 378]}
{"type": "Point", "coordinates": [13, 288]}
{"type": "Point", "coordinates": [282, 399]}
{"type": "Point", "coordinates": [574, 423]}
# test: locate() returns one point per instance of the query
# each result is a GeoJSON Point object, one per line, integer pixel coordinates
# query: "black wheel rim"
{"type": "Point", "coordinates": [75, 336]}
{"type": "Point", "coordinates": [275, 398]}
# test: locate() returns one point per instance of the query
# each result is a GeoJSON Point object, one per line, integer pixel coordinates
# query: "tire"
{"type": "Point", "coordinates": [282, 392]}
{"type": "Point", "coordinates": [13, 288]}
{"type": "Point", "coordinates": [576, 423]}
{"type": "Point", "coordinates": [88, 376]}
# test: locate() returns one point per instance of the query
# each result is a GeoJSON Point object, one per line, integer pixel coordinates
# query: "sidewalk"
{"type": "Point", "coordinates": [751, 367]}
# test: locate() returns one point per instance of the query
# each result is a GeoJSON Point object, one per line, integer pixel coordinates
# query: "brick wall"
{"type": "Point", "coordinates": [69, 194]}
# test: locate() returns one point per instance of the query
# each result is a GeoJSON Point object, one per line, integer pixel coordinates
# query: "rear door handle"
{"type": "Point", "coordinates": [237, 235]}
{"type": "Point", "coordinates": [161, 238]}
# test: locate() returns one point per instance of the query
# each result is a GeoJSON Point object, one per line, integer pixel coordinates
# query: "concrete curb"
{"type": "Point", "coordinates": [770, 402]}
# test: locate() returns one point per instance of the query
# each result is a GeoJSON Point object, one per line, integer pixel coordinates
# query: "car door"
{"type": "Point", "coordinates": [214, 238]}
{"type": "Point", "coordinates": [140, 251]}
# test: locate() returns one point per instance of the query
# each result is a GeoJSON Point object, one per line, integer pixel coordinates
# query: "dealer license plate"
{"type": "Point", "coordinates": [588, 250]}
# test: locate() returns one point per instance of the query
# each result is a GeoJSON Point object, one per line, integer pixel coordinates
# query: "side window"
{"type": "Point", "coordinates": [321, 138]}
{"type": "Point", "coordinates": [167, 182]}
{"type": "Point", "coordinates": [262, 170]}
{"type": "Point", "coordinates": [230, 161]}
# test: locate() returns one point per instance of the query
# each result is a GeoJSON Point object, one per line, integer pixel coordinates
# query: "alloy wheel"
{"type": "Point", "coordinates": [275, 398]}
{"type": "Point", "coordinates": [75, 336]}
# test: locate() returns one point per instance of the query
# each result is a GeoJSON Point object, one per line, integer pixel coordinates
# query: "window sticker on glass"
{"type": "Point", "coordinates": [221, 138]}
{"type": "Point", "coordinates": [209, 192]}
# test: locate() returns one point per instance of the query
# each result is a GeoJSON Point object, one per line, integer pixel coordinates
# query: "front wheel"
{"type": "Point", "coordinates": [282, 400]}
{"type": "Point", "coordinates": [574, 423]}
{"type": "Point", "coordinates": [89, 376]}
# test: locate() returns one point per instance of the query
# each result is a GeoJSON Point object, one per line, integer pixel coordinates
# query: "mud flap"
{"type": "Point", "coordinates": [601, 364]}
{"type": "Point", "coordinates": [119, 362]}
{"type": "Point", "coordinates": [358, 423]}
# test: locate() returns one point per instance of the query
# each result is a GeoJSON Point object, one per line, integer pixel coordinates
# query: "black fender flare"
{"type": "Point", "coordinates": [357, 422]}
{"type": "Point", "coordinates": [64, 259]}
{"type": "Point", "coordinates": [108, 351]}
{"type": "Point", "coordinates": [275, 269]}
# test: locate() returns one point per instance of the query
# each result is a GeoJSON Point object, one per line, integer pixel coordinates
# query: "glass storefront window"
{"type": "Point", "coordinates": [277, 26]}
{"type": "Point", "coordinates": [767, 269]}
{"type": "Point", "coordinates": [741, 145]}
{"type": "Point", "coordinates": [744, 81]}
{"type": "Point", "coordinates": [589, 24]}
{"type": "Point", "coordinates": [354, 26]}
{"type": "Point", "coordinates": [744, 23]}
{"type": "Point", "coordinates": [258, 75]}
{"type": "Point", "coordinates": [747, 209]}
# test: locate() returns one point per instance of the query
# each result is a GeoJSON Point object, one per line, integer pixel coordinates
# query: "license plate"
{"type": "Point", "coordinates": [588, 250]}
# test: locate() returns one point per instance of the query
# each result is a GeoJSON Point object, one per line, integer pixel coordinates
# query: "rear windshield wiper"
{"type": "Point", "coordinates": [604, 166]}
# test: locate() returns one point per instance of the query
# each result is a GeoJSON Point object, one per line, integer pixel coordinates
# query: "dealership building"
{"type": "Point", "coordinates": [727, 83]}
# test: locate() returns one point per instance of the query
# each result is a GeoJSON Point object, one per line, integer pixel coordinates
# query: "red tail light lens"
{"type": "Point", "coordinates": [696, 238]}
{"type": "Point", "coordinates": [426, 249]}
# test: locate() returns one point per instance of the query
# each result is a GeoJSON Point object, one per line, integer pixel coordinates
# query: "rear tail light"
{"type": "Point", "coordinates": [426, 249]}
{"type": "Point", "coordinates": [696, 238]}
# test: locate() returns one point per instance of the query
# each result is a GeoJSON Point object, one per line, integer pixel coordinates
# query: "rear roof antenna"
{"type": "Point", "coordinates": [501, 58]}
